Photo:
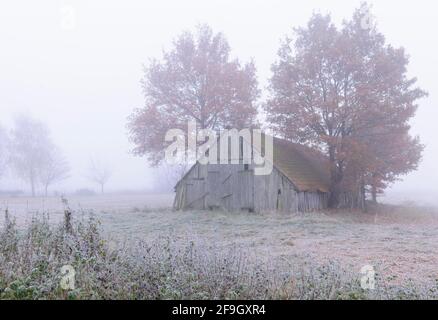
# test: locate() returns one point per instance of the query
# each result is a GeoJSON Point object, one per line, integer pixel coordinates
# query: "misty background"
{"type": "Point", "coordinates": [77, 65]}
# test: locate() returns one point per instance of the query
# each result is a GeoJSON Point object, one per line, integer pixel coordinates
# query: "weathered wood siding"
{"type": "Point", "coordinates": [274, 192]}
{"type": "Point", "coordinates": [234, 187]}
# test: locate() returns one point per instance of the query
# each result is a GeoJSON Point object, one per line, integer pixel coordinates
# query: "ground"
{"type": "Point", "coordinates": [400, 242]}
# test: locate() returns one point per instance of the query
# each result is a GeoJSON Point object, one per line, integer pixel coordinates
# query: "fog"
{"type": "Point", "coordinates": [81, 76]}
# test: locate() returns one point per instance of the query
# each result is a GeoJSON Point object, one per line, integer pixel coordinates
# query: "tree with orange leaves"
{"type": "Point", "coordinates": [196, 80]}
{"type": "Point", "coordinates": [345, 92]}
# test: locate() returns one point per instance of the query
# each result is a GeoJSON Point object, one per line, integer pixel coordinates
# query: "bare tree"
{"type": "Point", "coordinates": [168, 175]}
{"type": "Point", "coordinates": [99, 173]}
{"type": "Point", "coordinates": [3, 150]}
{"type": "Point", "coordinates": [54, 169]}
{"type": "Point", "coordinates": [30, 143]}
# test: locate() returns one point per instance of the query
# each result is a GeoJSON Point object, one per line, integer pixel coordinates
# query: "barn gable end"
{"type": "Point", "coordinates": [298, 182]}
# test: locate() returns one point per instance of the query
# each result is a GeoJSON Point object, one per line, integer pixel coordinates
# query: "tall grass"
{"type": "Point", "coordinates": [31, 260]}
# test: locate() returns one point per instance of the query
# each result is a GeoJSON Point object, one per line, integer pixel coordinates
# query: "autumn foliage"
{"type": "Point", "coordinates": [345, 92]}
{"type": "Point", "coordinates": [196, 80]}
{"type": "Point", "coordinates": [341, 90]}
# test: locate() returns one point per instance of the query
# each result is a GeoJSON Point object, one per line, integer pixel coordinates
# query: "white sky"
{"type": "Point", "coordinates": [84, 81]}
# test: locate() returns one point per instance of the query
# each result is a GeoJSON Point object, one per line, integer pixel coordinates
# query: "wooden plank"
{"type": "Point", "coordinates": [228, 177]}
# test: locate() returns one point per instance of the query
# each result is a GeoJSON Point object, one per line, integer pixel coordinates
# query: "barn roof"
{"type": "Point", "coordinates": [306, 168]}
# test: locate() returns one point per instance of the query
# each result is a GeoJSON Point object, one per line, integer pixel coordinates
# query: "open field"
{"type": "Point", "coordinates": [401, 242]}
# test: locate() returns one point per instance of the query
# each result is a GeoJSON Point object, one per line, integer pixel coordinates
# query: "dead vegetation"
{"type": "Point", "coordinates": [401, 241]}
{"type": "Point", "coordinates": [145, 253]}
{"type": "Point", "coordinates": [31, 260]}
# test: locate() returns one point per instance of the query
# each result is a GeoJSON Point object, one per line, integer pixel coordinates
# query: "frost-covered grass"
{"type": "Point", "coordinates": [402, 242]}
{"type": "Point", "coordinates": [141, 252]}
{"type": "Point", "coordinates": [31, 260]}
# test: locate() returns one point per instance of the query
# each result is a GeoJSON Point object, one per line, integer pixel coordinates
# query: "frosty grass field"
{"type": "Point", "coordinates": [400, 242]}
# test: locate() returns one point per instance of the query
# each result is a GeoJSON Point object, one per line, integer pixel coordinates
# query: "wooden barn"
{"type": "Point", "coordinates": [299, 181]}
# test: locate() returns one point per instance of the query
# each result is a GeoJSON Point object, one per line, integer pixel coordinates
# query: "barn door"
{"type": "Point", "coordinates": [226, 188]}
{"type": "Point", "coordinates": [245, 190]}
{"type": "Point", "coordinates": [195, 194]}
{"type": "Point", "coordinates": [213, 189]}
{"type": "Point", "coordinates": [179, 201]}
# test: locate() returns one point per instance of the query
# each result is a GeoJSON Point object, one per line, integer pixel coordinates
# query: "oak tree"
{"type": "Point", "coordinates": [346, 92]}
{"type": "Point", "coordinates": [195, 80]}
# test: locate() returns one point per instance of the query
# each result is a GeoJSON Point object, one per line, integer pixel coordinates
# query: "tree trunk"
{"type": "Point", "coordinates": [333, 201]}
{"type": "Point", "coordinates": [335, 179]}
{"type": "Point", "coordinates": [46, 189]}
{"type": "Point", "coordinates": [363, 203]}
{"type": "Point", "coordinates": [101, 188]}
{"type": "Point", "coordinates": [374, 194]}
